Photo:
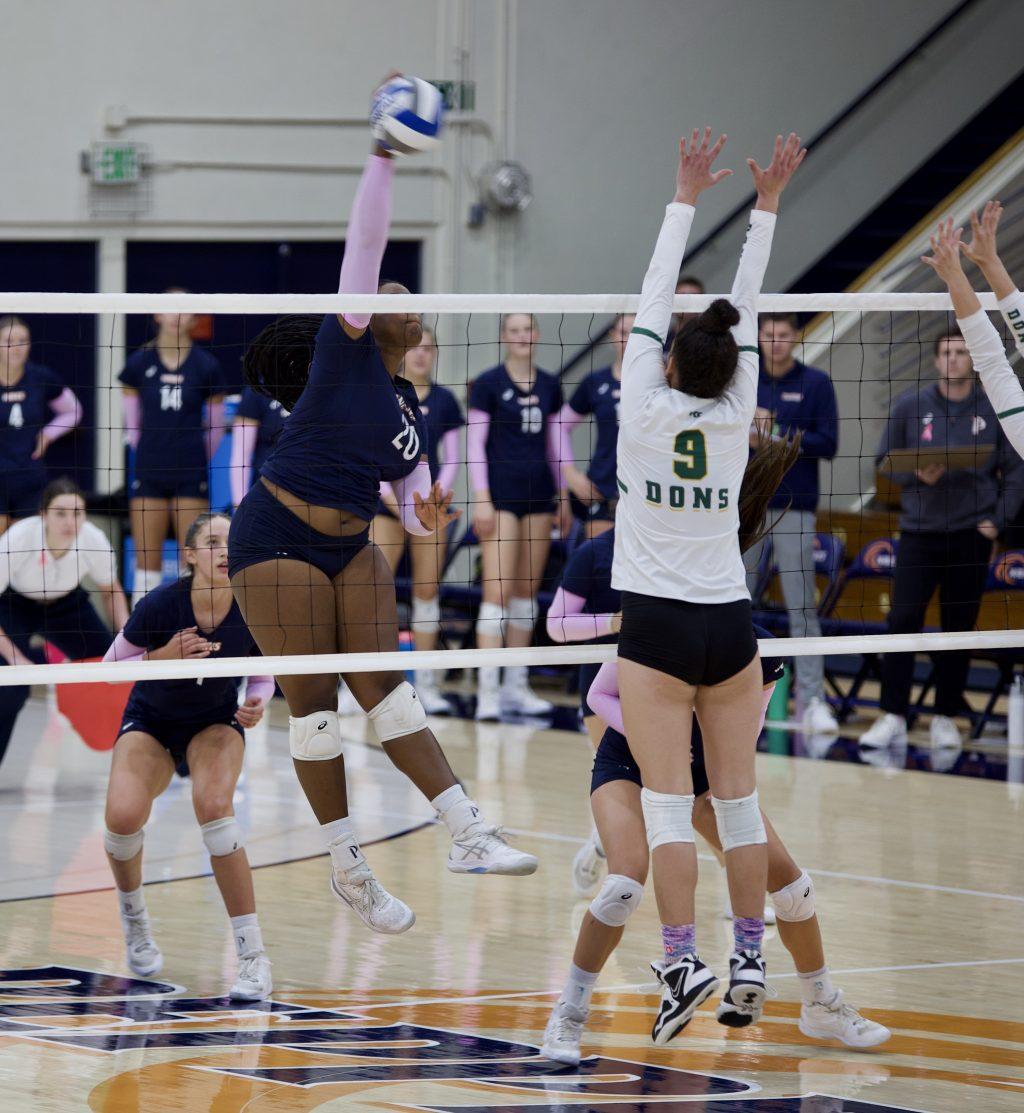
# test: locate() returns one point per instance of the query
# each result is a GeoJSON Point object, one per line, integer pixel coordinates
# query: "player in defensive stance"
{"type": "Point", "coordinates": [306, 575]}
{"type": "Point", "coordinates": [615, 798]}
{"type": "Point", "coordinates": [196, 728]}
{"type": "Point", "coordinates": [983, 342]}
{"type": "Point", "coordinates": [686, 641]}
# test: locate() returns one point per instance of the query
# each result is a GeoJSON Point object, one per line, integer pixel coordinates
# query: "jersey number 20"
{"type": "Point", "coordinates": [692, 453]}
{"type": "Point", "coordinates": [411, 448]}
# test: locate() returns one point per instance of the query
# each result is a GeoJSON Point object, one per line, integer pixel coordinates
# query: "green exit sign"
{"type": "Point", "coordinates": [116, 163]}
{"type": "Point", "coordinates": [459, 96]}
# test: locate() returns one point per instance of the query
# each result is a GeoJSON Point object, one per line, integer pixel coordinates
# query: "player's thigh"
{"type": "Point", "coordinates": [427, 563]}
{"type": "Point", "coordinates": [185, 511]}
{"type": "Point", "coordinates": [532, 558]}
{"type": "Point", "coordinates": [729, 715]}
{"type": "Point", "coordinates": [150, 522]}
{"type": "Point", "coordinates": [140, 770]}
{"type": "Point", "coordinates": [619, 818]}
{"type": "Point", "coordinates": [214, 758]}
{"type": "Point", "coordinates": [389, 535]}
{"type": "Point", "coordinates": [657, 710]}
{"type": "Point", "coordinates": [500, 556]}
{"type": "Point", "coordinates": [289, 608]}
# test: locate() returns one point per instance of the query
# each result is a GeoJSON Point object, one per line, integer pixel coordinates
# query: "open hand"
{"type": "Point", "coordinates": [945, 256]}
{"type": "Point", "coordinates": [982, 248]}
{"type": "Point", "coordinates": [771, 181]}
{"type": "Point", "coordinates": [694, 174]}
{"type": "Point", "coordinates": [434, 512]}
{"type": "Point", "coordinates": [249, 713]}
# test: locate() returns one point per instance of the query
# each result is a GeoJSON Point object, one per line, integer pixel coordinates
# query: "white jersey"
{"type": "Point", "coordinates": [1001, 384]}
{"type": "Point", "coordinates": [30, 569]}
{"type": "Point", "coordinates": [681, 459]}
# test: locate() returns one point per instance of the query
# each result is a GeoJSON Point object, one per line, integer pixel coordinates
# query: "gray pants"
{"type": "Point", "coordinates": [793, 546]}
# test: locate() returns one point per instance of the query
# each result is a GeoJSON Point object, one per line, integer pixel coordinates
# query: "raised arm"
{"type": "Point", "coordinates": [982, 251]}
{"type": "Point", "coordinates": [643, 366]}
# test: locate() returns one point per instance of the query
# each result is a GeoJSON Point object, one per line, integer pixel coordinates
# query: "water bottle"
{"type": "Point", "coordinates": [1015, 715]}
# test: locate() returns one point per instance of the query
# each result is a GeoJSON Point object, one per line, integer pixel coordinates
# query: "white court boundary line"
{"type": "Point", "coordinates": [114, 672]}
{"type": "Point", "coordinates": [36, 302]}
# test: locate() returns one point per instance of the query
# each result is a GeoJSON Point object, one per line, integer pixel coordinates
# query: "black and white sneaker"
{"type": "Point", "coordinates": [685, 985]}
{"type": "Point", "coordinates": [744, 999]}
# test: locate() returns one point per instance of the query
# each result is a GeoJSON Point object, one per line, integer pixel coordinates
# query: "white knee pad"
{"type": "Point", "coordinates": [123, 847]}
{"type": "Point", "coordinates": [739, 822]}
{"type": "Point", "coordinates": [222, 836]}
{"type": "Point", "coordinates": [315, 737]}
{"type": "Point", "coordinates": [426, 615]}
{"type": "Point", "coordinates": [520, 614]}
{"type": "Point", "coordinates": [616, 900]}
{"type": "Point", "coordinates": [796, 901]}
{"type": "Point", "coordinates": [490, 622]}
{"type": "Point", "coordinates": [667, 818]}
{"type": "Point", "coordinates": [398, 714]}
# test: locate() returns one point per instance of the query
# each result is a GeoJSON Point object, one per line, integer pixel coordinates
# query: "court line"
{"type": "Point", "coordinates": [552, 836]}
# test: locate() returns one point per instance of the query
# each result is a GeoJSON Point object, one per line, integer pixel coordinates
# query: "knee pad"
{"type": "Point", "coordinates": [222, 836]}
{"type": "Point", "coordinates": [490, 622]}
{"type": "Point", "coordinates": [315, 737]}
{"type": "Point", "coordinates": [739, 822]}
{"type": "Point", "coordinates": [667, 818]}
{"type": "Point", "coordinates": [426, 615]}
{"type": "Point", "coordinates": [616, 900]}
{"type": "Point", "coordinates": [520, 614]}
{"type": "Point", "coordinates": [123, 847]}
{"type": "Point", "coordinates": [796, 901]}
{"type": "Point", "coordinates": [398, 714]}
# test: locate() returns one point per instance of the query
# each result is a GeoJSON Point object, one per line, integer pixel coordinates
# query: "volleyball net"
{"type": "Point", "coordinates": [875, 350]}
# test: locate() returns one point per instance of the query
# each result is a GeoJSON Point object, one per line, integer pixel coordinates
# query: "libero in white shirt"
{"type": "Point", "coordinates": [681, 458]}
{"type": "Point", "coordinates": [29, 568]}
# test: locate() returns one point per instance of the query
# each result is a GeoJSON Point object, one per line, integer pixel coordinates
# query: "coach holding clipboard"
{"type": "Point", "coordinates": [961, 483]}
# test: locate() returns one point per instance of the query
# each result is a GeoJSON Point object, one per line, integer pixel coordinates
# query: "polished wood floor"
{"type": "Point", "coordinates": [920, 882]}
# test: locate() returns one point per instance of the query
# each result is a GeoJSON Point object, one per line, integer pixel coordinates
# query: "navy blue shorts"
{"type": "Point", "coordinates": [614, 762]}
{"type": "Point", "coordinates": [168, 485]}
{"type": "Point", "coordinates": [587, 674]}
{"type": "Point", "coordinates": [264, 529]}
{"type": "Point", "coordinates": [174, 737]}
{"type": "Point", "coordinates": [20, 495]}
{"type": "Point", "coordinates": [603, 510]}
{"type": "Point", "coordinates": [523, 508]}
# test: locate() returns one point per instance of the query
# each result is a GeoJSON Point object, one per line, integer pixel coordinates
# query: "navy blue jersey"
{"type": "Point", "coordinates": [24, 410]}
{"type": "Point", "coordinates": [352, 428]}
{"type": "Point", "coordinates": [442, 412]}
{"type": "Point", "coordinates": [270, 415]}
{"type": "Point", "coordinates": [598, 394]}
{"type": "Point", "coordinates": [164, 612]}
{"type": "Point", "coordinates": [172, 404]}
{"type": "Point", "coordinates": [588, 573]}
{"type": "Point", "coordinates": [517, 460]}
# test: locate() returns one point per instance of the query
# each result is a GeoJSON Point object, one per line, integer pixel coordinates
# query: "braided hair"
{"type": "Point", "coordinates": [276, 363]}
{"type": "Point", "coordinates": [766, 469]}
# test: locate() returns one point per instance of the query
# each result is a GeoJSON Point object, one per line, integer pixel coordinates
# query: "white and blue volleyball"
{"type": "Point", "coordinates": [406, 115]}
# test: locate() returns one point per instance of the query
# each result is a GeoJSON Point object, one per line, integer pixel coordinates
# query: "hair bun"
{"type": "Point", "coordinates": [719, 317]}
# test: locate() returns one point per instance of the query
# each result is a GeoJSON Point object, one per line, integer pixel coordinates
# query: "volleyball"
{"type": "Point", "coordinates": [406, 115]}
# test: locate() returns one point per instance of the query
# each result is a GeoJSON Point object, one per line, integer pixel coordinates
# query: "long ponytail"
{"type": "Point", "coordinates": [766, 469]}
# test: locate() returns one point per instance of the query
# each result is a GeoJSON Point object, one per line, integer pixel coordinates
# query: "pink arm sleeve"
{"type": "Point", "coordinates": [448, 452]}
{"type": "Point", "coordinates": [566, 621]}
{"type": "Point", "coordinates": [367, 235]}
{"type": "Point", "coordinates": [259, 687]}
{"type": "Point", "coordinates": [568, 419]}
{"type": "Point", "coordinates": [123, 650]}
{"type": "Point", "coordinates": [131, 407]}
{"type": "Point", "coordinates": [418, 482]}
{"type": "Point", "coordinates": [476, 449]}
{"type": "Point", "coordinates": [243, 445]}
{"type": "Point", "coordinates": [603, 696]}
{"type": "Point", "coordinates": [213, 426]}
{"type": "Point", "coordinates": [67, 412]}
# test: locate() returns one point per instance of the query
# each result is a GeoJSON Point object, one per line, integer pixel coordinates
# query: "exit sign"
{"type": "Point", "coordinates": [457, 95]}
{"type": "Point", "coordinates": [116, 163]}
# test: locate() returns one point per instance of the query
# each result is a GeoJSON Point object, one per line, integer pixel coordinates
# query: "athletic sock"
{"type": "Point", "coordinates": [578, 988]}
{"type": "Point", "coordinates": [678, 940]}
{"type": "Point", "coordinates": [337, 833]}
{"type": "Point", "coordinates": [248, 937]}
{"type": "Point", "coordinates": [817, 987]}
{"type": "Point", "coordinates": [456, 809]}
{"type": "Point", "coordinates": [748, 933]}
{"type": "Point", "coordinates": [133, 903]}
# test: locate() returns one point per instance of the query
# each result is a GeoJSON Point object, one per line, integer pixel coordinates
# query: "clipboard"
{"type": "Point", "coordinates": [973, 458]}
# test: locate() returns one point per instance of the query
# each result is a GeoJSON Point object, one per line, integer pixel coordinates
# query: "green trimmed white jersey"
{"type": "Point", "coordinates": [681, 459]}
{"type": "Point", "coordinates": [997, 376]}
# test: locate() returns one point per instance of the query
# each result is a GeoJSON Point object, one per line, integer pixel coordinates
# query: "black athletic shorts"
{"type": "Point", "coordinates": [614, 762]}
{"type": "Point", "coordinates": [174, 737]}
{"type": "Point", "coordinates": [699, 643]}
{"type": "Point", "coordinates": [587, 674]}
